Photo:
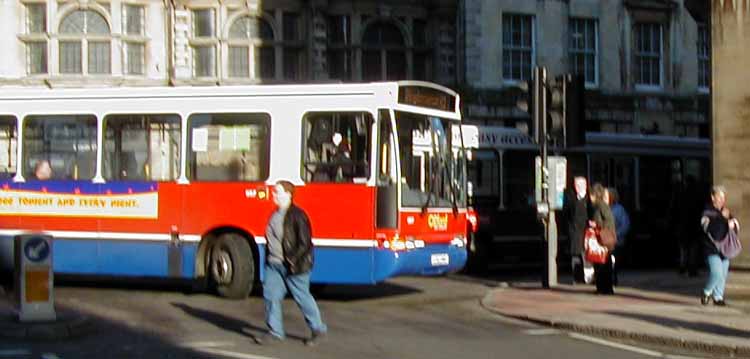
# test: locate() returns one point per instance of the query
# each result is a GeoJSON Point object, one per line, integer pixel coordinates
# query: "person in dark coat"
{"type": "Point", "coordinates": [689, 209]}
{"type": "Point", "coordinates": [288, 266]}
{"type": "Point", "coordinates": [576, 211]}
{"type": "Point", "coordinates": [716, 222]}
{"type": "Point", "coordinates": [622, 226]}
{"type": "Point", "coordinates": [602, 219]}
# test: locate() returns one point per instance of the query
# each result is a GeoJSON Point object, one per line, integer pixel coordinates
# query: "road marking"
{"type": "Point", "coordinates": [542, 331]}
{"type": "Point", "coordinates": [50, 356]}
{"type": "Point", "coordinates": [229, 354]}
{"type": "Point", "coordinates": [14, 352]}
{"type": "Point", "coordinates": [616, 345]}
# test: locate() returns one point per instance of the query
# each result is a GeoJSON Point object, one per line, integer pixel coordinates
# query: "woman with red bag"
{"type": "Point", "coordinates": [604, 222]}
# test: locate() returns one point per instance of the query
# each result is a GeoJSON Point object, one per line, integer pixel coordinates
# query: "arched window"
{"type": "Point", "coordinates": [383, 53]}
{"type": "Point", "coordinates": [85, 42]}
{"type": "Point", "coordinates": [251, 38]}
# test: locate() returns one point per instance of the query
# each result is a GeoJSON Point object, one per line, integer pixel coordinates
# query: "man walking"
{"type": "Point", "coordinates": [288, 265]}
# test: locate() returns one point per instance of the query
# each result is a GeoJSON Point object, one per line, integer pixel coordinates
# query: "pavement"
{"type": "Point", "coordinates": [661, 308]}
{"type": "Point", "coordinates": [656, 307]}
{"type": "Point", "coordinates": [68, 323]}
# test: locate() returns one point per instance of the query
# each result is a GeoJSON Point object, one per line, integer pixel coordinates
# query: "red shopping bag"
{"type": "Point", "coordinates": [593, 250]}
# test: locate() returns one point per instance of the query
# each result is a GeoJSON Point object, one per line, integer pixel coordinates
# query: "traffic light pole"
{"type": "Point", "coordinates": [547, 215]}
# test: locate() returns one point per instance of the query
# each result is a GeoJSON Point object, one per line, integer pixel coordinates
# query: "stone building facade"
{"type": "Point", "coordinates": [646, 65]}
{"type": "Point", "coordinates": [645, 62]}
{"type": "Point", "coordinates": [209, 42]}
{"type": "Point", "coordinates": [730, 21]}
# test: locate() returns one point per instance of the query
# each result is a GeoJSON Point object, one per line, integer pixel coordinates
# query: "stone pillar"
{"type": "Point", "coordinates": [473, 38]}
{"type": "Point", "coordinates": [181, 45]}
{"type": "Point", "coordinates": [318, 42]}
{"type": "Point", "coordinates": [730, 37]}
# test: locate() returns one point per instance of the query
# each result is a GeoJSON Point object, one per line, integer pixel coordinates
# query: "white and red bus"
{"type": "Point", "coordinates": [174, 182]}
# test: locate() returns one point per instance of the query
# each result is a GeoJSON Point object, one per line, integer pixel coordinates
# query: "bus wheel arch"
{"type": "Point", "coordinates": [227, 262]}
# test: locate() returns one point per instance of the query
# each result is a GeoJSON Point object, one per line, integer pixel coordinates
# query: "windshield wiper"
{"type": "Point", "coordinates": [430, 186]}
{"type": "Point", "coordinates": [454, 191]}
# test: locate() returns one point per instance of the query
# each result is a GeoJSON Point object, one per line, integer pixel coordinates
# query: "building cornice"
{"type": "Point", "coordinates": [654, 5]}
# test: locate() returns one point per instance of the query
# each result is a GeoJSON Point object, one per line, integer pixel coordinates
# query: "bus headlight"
{"type": "Point", "coordinates": [459, 241]}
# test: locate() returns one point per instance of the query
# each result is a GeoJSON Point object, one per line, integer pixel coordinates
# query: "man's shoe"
{"type": "Point", "coordinates": [267, 339]}
{"type": "Point", "coordinates": [315, 338]}
{"type": "Point", "coordinates": [705, 299]}
{"type": "Point", "coordinates": [720, 302]}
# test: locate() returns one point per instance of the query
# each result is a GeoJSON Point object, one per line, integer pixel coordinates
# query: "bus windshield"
{"type": "Point", "coordinates": [432, 162]}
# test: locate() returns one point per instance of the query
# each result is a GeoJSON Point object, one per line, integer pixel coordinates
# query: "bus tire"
{"type": "Point", "coordinates": [231, 266]}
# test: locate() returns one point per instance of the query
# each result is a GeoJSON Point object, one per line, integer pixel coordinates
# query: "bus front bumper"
{"type": "Point", "coordinates": [433, 259]}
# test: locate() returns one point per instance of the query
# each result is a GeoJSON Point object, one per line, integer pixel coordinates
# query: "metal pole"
{"type": "Point", "coordinates": [550, 225]}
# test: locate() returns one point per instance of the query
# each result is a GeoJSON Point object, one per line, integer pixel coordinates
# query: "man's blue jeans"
{"type": "Point", "coordinates": [718, 270]}
{"type": "Point", "coordinates": [275, 286]}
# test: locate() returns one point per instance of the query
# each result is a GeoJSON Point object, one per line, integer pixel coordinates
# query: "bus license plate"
{"type": "Point", "coordinates": [441, 259]}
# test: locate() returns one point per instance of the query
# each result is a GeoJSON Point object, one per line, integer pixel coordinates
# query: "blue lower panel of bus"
{"type": "Point", "coordinates": [430, 260]}
{"type": "Point", "coordinates": [124, 258]}
{"type": "Point", "coordinates": [337, 265]}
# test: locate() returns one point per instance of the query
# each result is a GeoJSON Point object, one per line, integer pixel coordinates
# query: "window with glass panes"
{"type": "Point", "coordinates": [293, 46]}
{"type": "Point", "coordinates": [8, 149]}
{"type": "Point", "coordinates": [339, 47]}
{"type": "Point", "coordinates": [134, 40]}
{"type": "Point", "coordinates": [84, 43]}
{"type": "Point", "coordinates": [36, 40]}
{"type": "Point", "coordinates": [423, 64]}
{"type": "Point", "coordinates": [648, 54]}
{"type": "Point", "coordinates": [582, 48]}
{"type": "Point", "coordinates": [251, 38]}
{"type": "Point", "coordinates": [704, 71]}
{"type": "Point", "coordinates": [518, 47]}
{"type": "Point", "coordinates": [203, 42]}
{"type": "Point", "coordinates": [383, 53]}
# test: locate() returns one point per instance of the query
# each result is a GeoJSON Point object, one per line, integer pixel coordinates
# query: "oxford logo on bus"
{"type": "Point", "coordinates": [437, 221]}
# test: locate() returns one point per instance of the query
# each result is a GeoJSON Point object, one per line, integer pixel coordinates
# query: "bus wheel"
{"type": "Point", "coordinates": [232, 266]}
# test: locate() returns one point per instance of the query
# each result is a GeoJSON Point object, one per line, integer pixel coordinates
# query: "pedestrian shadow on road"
{"type": "Point", "coordinates": [704, 327]}
{"type": "Point", "coordinates": [227, 323]}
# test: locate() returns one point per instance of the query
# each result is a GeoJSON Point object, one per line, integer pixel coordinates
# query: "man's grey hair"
{"type": "Point", "coordinates": [718, 189]}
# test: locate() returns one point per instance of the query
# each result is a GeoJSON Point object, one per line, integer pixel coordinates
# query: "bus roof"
{"type": "Point", "coordinates": [31, 93]}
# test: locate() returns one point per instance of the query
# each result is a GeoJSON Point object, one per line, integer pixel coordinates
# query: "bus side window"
{"type": "Point", "coordinates": [337, 146]}
{"type": "Point", "coordinates": [8, 143]}
{"type": "Point", "coordinates": [66, 142]}
{"type": "Point", "coordinates": [229, 147]}
{"type": "Point", "coordinates": [142, 147]}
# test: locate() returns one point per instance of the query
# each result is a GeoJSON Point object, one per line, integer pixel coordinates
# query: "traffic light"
{"type": "Point", "coordinates": [530, 101]}
{"type": "Point", "coordinates": [556, 108]}
{"type": "Point", "coordinates": [525, 103]}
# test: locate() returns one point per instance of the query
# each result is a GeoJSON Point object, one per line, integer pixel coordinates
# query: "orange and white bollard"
{"type": "Point", "coordinates": [34, 278]}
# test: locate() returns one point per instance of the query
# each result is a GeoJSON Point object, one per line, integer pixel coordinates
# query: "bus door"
{"type": "Point", "coordinates": [140, 166]}
{"type": "Point", "coordinates": [387, 190]}
{"type": "Point", "coordinates": [337, 162]}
